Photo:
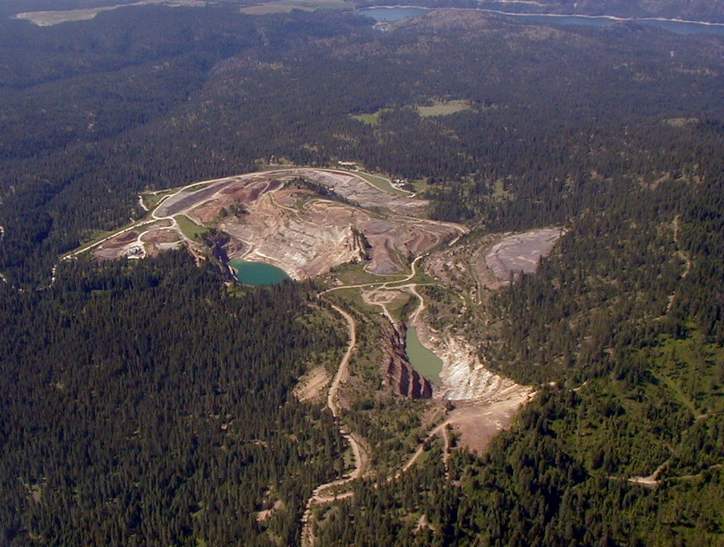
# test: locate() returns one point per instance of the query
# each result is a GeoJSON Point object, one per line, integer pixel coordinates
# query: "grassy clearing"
{"type": "Point", "coordinates": [499, 191]}
{"type": "Point", "coordinates": [325, 4]}
{"type": "Point", "coordinates": [50, 18]}
{"type": "Point", "coordinates": [680, 122]}
{"type": "Point", "coordinates": [420, 186]}
{"type": "Point", "coordinates": [355, 274]}
{"type": "Point", "coordinates": [151, 201]}
{"type": "Point", "coordinates": [420, 278]}
{"type": "Point", "coordinates": [56, 17]}
{"type": "Point", "coordinates": [383, 184]}
{"type": "Point", "coordinates": [371, 119]}
{"type": "Point", "coordinates": [443, 108]}
{"type": "Point", "coordinates": [189, 228]}
{"type": "Point", "coordinates": [100, 235]}
{"type": "Point", "coordinates": [198, 186]}
{"type": "Point", "coordinates": [271, 8]}
{"type": "Point", "coordinates": [352, 296]}
{"type": "Point", "coordinates": [401, 307]}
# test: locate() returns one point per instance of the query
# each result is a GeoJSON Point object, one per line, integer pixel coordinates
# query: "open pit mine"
{"type": "Point", "coordinates": [308, 221]}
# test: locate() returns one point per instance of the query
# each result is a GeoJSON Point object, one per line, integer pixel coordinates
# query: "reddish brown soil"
{"type": "Point", "coordinates": [125, 238]}
{"type": "Point", "coordinates": [300, 232]}
{"type": "Point", "coordinates": [160, 236]}
{"type": "Point", "coordinates": [120, 241]}
{"type": "Point", "coordinates": [207, 212]}
{"type": "Point", "coordinates": [420, 242]}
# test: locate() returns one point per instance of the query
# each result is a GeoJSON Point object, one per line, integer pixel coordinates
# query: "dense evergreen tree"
{"type": "Point", "coordinates": [144, 405]}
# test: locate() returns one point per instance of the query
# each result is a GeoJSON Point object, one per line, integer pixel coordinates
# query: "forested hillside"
{"type": "Point", "coordinates": [622, 330]}
{"type": "Point", "coordinates": [146, 404]}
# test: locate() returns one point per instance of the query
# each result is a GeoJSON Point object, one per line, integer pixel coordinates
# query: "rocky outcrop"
{"type": "Point", "coordinates": [354, 243]}
{"type": "Point", "coordinates": [220, 245]}
{"type": "Point", "coordinates": [398, 372]}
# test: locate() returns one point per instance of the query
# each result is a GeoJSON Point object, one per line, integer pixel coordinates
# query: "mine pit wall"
{"type": "Point", "coordinates": [398, 373]}
{"type": "Point", "coordinates": [464, 374]}
{"type": "Point", "coordinates": [218, 246]}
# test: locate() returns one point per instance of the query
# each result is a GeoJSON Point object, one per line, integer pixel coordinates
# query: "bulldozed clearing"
{"type": "Point", "coordinates": [272, 217]}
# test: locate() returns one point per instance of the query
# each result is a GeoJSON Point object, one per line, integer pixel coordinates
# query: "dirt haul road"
{"type": "Point", "coordinates": [360, 455]}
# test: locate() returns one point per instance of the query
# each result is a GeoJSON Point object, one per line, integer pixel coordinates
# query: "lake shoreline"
{"type": "Point", "coordinates": [257, 274]}
{"type": "Point", "coordinates": [589, 20]}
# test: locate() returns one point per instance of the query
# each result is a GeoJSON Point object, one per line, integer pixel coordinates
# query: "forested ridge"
{"type": "Point", "coordinates": [142, 404]}
{"type": "Point", "coordinates": [148, 403]}
{"type": "Point", "coordinates": [621, 329]}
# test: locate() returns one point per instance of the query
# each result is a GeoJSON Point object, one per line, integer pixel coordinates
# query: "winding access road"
{"type": "Point", "coordinates": [319, 495]}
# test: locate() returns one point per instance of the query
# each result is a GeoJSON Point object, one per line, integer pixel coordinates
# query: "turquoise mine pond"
{"type": "Point", "coordinates": [257, 273]}
{"type": "Point", "coordinates": [422, 359]}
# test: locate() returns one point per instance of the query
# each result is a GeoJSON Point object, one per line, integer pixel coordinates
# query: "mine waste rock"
{"type": "Point", "coordinates": [398, 373]}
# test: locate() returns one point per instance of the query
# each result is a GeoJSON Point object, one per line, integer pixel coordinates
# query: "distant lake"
{"type": "Point", "coordinates": [422, 359]}
{"type": "Point", "coordinates": [257, 273]}
{"type": "Point", "coordinates": [397, 13]}
{"type": "Point", "coordinates": [679, 27]}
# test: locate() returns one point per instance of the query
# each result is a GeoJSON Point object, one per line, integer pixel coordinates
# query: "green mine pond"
{"type": "Point", "coordinates": [257, 273]}
{"type": "Point", "coordinates": [422, 359]}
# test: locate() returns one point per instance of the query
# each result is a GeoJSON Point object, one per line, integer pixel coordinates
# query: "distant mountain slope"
{"type": "Point", "coordinates": [92, 112]}
{"type": "Point", "coordinates": [694, 10]}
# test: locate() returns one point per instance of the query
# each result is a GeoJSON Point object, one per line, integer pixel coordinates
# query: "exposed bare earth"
{"type": "Point", "coordinates": [311, 385]}
{"type": "Point", "coordinates": [476, 421]}
{"type": "Point", "coordinates": [521, 252]}
{"type": "Point", "coordinates": [148, 239]}
{"type": "Point", "coordinates": [262, 516]}
{"type": "Point", "coordinates": [327, 493]}
{"type": "Point", "coordinates": [479, 421]}
{"type": "Point", "coordinates": [484, 401]}
{"type": "Point", "coordinates": [270, 219]}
